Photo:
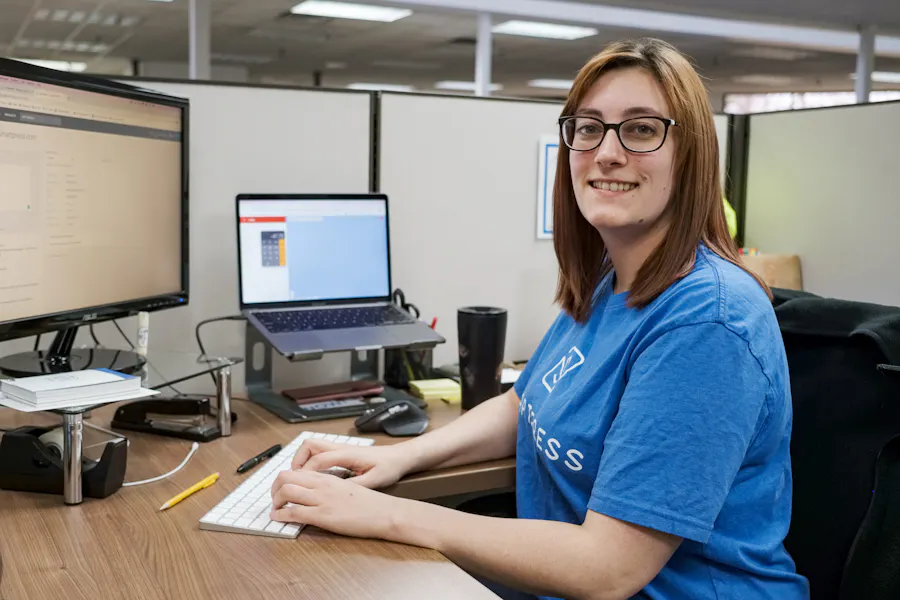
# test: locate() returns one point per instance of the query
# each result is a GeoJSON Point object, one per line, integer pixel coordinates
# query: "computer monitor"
{"type": "Point", "coordinates": [93, 211]}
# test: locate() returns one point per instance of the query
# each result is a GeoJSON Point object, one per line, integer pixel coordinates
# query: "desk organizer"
{"type": "Point", "coordinates": [28, 465]}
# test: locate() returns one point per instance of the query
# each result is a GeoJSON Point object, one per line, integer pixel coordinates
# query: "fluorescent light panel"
{"type": "Point", "coordinates": [885, 77]}
{"type": "Point", "coordinates": [544, 30]}
{"type": "Point", "coordinates": [553, 84]}
{"type": "Point", "coordinates": [62, 15]}
{"type": "Point", "coordinates": [59, 65]}
{"type": "Point", "coordinates": [383, 87]}
{"type": "Point", "coordinates": [882, 76]}
{"type": "Point", "coordinates": [346, 10]}
{"type": "Point", "coordinates": [773, 80]}
{"type": "Point", "coordinates": [68, 46]}
{"type": "Point", "coordinates": [464, 86]}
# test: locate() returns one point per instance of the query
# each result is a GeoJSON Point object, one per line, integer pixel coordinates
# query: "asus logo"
{"type": "Point", "coordinates": [89, 317]}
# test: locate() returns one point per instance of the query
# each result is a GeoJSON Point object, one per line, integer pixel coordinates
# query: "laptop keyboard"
{"type": "Point", "coordinates": [332, 318]}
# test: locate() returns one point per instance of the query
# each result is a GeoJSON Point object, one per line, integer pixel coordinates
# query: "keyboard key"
{"type": "Point", "coordinates": [333, 318]}
{"type": "Point", "coordinates": [274, 527]}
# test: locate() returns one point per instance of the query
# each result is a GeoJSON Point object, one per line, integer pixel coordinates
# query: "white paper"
{"type": "Point", "coordinates": [79, 402]}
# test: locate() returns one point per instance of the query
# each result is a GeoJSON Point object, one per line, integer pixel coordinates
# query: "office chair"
{"type": "Point", "coordinates": [845, 448]}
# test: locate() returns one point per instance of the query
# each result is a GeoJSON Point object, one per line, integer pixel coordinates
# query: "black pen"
{"type": "Point", "coordinates": [259, 458]}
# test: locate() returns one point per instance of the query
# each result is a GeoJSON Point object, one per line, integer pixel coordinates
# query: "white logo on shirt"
{"type": "Point", "coordinates": [566, 364]}
{"type": "Point", "coordinates": [573, 456]}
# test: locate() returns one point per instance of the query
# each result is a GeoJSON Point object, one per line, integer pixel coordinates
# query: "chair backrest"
{"type": "Point", "coordinates": [845, 413]}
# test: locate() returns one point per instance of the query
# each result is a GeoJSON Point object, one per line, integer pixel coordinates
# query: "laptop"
{"type": "Point", "coordinates": [314, 274]}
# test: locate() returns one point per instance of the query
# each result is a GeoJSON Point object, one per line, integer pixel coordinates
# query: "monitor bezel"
{"type": "Point", "coordinates": [49, 323]}
{"type": "Point", "coordinates": [253, 306]}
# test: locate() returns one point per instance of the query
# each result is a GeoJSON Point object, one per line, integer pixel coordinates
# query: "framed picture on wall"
{"type": "Point", "coordinates": [548, 148]}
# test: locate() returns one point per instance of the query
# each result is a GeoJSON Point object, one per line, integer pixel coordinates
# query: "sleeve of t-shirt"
{"type": "Point", "coordinates": [525, 375]}
{"type": "Point", "coordinates": [690, 410]}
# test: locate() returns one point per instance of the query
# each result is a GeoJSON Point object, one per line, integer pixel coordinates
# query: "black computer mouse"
{"type": "Point", "coordinates": [396, 418]}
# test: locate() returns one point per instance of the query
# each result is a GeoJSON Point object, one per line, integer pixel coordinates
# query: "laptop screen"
{"type": "Point", "coordinates": [308, 249]}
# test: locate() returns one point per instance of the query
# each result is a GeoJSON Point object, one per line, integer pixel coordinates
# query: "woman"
{"type": "Point", "coordinates": [651, 427]}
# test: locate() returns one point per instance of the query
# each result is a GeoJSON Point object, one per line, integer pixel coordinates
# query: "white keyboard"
{"type": "Point", "coordinates": [247, 508]}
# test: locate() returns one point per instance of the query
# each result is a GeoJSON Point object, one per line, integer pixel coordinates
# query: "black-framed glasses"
{"type": "Point", "coordinates": [640, 134]}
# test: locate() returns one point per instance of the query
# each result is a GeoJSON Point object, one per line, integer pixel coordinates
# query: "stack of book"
{"type": "Point", "coordinates": [67, 390]}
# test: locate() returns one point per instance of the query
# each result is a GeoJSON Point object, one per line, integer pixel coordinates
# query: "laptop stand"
{"type": "Point", "coordinates": [259, 383]}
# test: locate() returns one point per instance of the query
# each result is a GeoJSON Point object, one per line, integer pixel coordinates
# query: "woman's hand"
{"type": "Point", "coordinates": [374, 467]}
{"type": "Point", "coordinates": [337, 505]}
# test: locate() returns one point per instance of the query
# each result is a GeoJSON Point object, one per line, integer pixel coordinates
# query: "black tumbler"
{"type": "Point", "coordinates": [482, 338]}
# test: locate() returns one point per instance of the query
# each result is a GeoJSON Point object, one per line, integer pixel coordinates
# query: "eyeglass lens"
{"type": "Point", "coordinates": [637, 135]}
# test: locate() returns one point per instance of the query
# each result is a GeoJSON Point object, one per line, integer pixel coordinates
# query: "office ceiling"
{"type": "Point", "coordinates": [427, 47]}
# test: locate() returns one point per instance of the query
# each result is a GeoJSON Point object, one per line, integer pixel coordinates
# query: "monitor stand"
{"type": "Point", "coordinates": [61, 357]}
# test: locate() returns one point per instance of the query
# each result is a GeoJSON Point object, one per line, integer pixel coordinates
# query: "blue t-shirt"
{"type": "Point", "coordinates": [676, 417]}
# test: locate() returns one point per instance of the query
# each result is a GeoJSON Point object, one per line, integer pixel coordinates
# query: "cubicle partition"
{"type": "Point", "coordinates": [824, 184]}
{"type": "Point", "coordinates": [462, 177]}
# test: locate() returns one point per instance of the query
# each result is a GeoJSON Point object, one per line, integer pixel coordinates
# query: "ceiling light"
{"type": "Point", "coordinates": [463, 86]}
{"type": "Point", "coordinates": [886, 77]}
{"type": "Point", "coordinates": [160, 0]}
{"type": "Point", "coordinates": [346, 10]}
{"type": "Point", "coordinates": [92, 18]}
{"type": "Point", "coordinates": [59, 65]}
{"type": "Point", "coordinates": [406, 64]}
{"type": "Point", "coordinates": [68, 45]}
{"type": "Point", "coordinates": [773, 80]}
{"type": "Point", "coordinates": [383, 87]}
{"type": "Point", "coordinates": [544, 30]}
{"type": "Point", "coordinates": [882, 77]}
{"type": "Point", "coordinates": [245, 59]}
{"type": "Point", "coordinates": [767, 53]}
{"type": "Point", "coordinates": [553, 84]}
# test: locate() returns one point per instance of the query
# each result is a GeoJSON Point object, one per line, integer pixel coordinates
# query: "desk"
{"type": "Point", "coordinates": [122, 546]}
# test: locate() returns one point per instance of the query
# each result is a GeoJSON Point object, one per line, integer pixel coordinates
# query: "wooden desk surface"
{"type": "Point", "coordinates": [122, 546]}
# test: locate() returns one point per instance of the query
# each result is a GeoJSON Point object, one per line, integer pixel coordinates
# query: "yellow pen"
{"type": "Point", "coordinates": [194, 488]}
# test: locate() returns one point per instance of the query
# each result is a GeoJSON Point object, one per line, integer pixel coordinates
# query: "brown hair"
{"type": "Point", "coordinates": [695, 207]}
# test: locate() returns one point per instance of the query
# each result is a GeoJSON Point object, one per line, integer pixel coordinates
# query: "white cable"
{"type": "Point", "coordinates": [194, 447]}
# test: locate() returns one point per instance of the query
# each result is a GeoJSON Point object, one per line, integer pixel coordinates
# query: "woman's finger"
{"type": "Point", "coordinates": [311, 448]}
{"type": "Point", "coordinates": [320, 462]}
{"type": "Point", "coordinates": [292, 514]}
{"type": "Point", "coordinates": [301, 478]}
{"type": "Point", "coordinates": [295, 494]}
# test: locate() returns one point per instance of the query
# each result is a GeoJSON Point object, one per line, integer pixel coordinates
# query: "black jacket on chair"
{"type": "Point", "coordinates": [845, 448]}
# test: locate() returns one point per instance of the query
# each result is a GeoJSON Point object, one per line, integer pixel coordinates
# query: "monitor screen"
{"type": "Point", "coordinates": [303, 250]}
{"type": "Point", "coordinates": [91, 199]}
